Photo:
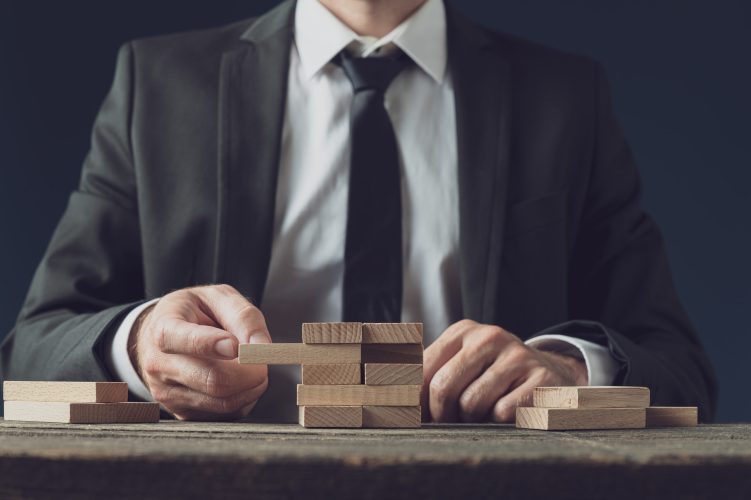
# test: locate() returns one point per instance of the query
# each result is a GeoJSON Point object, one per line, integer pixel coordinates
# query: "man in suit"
{"type": "Point", "coordinates": [359, 160]}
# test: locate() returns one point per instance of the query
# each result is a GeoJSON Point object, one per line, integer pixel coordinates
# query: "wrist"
{"type": "Point", "coordinates": [134, 337]}
{"type": "Point", "coordinates": [577, 368]}
{"type": "Point", "coordinates": [574, 366]}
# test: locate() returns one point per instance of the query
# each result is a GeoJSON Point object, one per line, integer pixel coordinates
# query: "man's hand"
{"type": "Point", "coordinates": [476, 372]}
{"type": "Point", "coordinates": [183, 348]}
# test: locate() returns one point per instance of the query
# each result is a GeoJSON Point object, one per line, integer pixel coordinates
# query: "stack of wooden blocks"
{"type": "Point", "coordinates": [580, 408]}
{"type": "Point", "coordinates": [353, 374]}
{"type": "Point", "coordinates": [75, 403]}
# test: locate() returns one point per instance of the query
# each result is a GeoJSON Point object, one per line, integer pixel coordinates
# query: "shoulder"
{"type": "Point", "coordinates": [536, 62]}
{"type": "Point", "coordinates": [531, 63]}
{"type": "Point", "coordinates": [546, 76]}
{"type": "Point", "coordinates": [190, 47]}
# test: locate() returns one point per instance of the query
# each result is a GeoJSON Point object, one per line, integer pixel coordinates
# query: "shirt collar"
{"type": "Point", "coordinates": [320, 36]}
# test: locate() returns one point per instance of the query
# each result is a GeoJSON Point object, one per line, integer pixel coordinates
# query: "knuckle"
{"type": "Point", "coordinates": [249, 316]}
{"type": "Point", "coordinates": [215, 405]}
{"type": "Point", "coordinates": [222, 405]}
{"type": "Point", "coordinates": [198, 343]}
{"type": "Point", "coordinates": [496, 334]}
{"type": "Point", "coordinates": [225, 289]}
{"type": "Point", "coordinates": [250, 313]}
{"type": "Point", "coordinates": [517, 351]}
{"type": "Point", "coordinates": [217, 383]}
{"type": "Point", "coordinates": [151, 367]}
{"type": "Point", "coordinates": [466, 323]}
{"type": "Point", "coordinates": [161, 336]}
{"type": "Point", "coordinates": [177, 294]}
{"type": "Point", "coordinates": [257, 390]}
{"type": "Point", "coordinates": [503, 413]}
{"type": "Point", "coordinates": [165, 395]}
{"type": "Point", "coordinates": [439, 389]}
{"type": "Point", "coordinates": [161, 394]}
{"type": "Point", "coordinates": [263, 386]}
{"type": "Point", "coordinates": [469, 402]}
{"type": "Point", "coordinates": [234, 403]}
{"type": "Point", "coordinates": [490, 338]}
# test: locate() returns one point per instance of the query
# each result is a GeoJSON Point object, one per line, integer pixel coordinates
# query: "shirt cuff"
{"type": "Point", "coordinates": [119, 359]}
{"type": "Point", "coordinates": [601, 367]}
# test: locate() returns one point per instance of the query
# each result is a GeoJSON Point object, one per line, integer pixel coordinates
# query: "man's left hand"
{"type": "Point", "coordinates": [475, 372]}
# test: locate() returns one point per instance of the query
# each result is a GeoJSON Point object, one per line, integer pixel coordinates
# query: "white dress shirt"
{"type": "Point", "coordinates": [307, 261]}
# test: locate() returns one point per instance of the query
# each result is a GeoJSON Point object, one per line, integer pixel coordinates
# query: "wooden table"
{"type": "Point", "coordinates": [237, 460]}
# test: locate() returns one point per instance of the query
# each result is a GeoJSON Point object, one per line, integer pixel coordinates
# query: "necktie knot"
{"type": "Point", "coordinates": [372, 73]}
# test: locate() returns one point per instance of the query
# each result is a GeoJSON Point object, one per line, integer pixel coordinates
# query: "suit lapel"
{"type": "Point", "coordinates": [483, 112]}
{"type": "Point", "coordinates": [252, 96]}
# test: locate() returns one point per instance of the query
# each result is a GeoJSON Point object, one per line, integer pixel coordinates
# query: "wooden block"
{"type": "Point", "coordinates": [332, 333]}
{"type": "Point", "coordinates": [392, 333]}
{"type": "Point", "coordinates": [392, 374]}
{"type": "Point", "coordinates": [590, 397]}
{"type": "Point", "coordinates": [358, 395]}
{"type": "Point", "coordinates": [299, 354]}
{"type": "Point", "coordinates": [82, 413]}
{"type": "Point", "coordinates": [391, 416]}
{"type": "Point", "coordinates": [561, 419]}
{"type": "Point", "coordinates": [331, 416]}
{"type": "Point", "coordinates": [331, 374]}
{"type": "Point", "coordinates": [672, 416]}
{"type": "Point", "coordinates": [392, 353]}
{"type": "Point", "coordinates": [72, 392]}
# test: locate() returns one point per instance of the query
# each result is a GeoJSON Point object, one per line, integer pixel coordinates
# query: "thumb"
{"type": "Point", "coordinates": [236, 314]}
{"type": "Point", "coordinates": [260, 337]}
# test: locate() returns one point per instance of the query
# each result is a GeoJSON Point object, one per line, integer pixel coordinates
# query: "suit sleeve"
{"type": "Point", "coordinates": [620, 280]}
{"type": "Point", "coordinates": [91, 273]}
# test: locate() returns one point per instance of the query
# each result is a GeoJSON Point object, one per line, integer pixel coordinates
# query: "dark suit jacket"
{"type": "Point", "coordinates": [179, 189]}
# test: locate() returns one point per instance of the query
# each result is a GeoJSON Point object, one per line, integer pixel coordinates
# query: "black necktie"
{"type": "Point", "coordinates": [373, 248]}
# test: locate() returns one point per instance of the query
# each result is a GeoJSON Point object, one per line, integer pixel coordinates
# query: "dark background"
{"type": "Point", "coordinates": [681, 79]}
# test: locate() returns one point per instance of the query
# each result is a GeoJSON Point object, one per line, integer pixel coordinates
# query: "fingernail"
{"type": "Point", "coordinates": [226, 348]}
{"type": "Point", "coordinates": [259, 338]}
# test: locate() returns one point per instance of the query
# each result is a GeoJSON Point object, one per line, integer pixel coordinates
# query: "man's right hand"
{"type": "Point", "coordinates": [185, 349]}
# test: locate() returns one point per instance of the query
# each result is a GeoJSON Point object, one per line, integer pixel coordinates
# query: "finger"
{"type": "Point", "coordinates": [186, 403]}
{"type": "Point", "coordinates": [445, 347]}
{"type": "Point", "coordinates": [175, 336]}
{"type": "Point", "coordinates": [217, 379]}
{"type": "Point", "coordinates": [504, 410]}
{"type": "Point", "coordinates": [438, 354]}
{"type": "Point", "coordinates": [479, 398]}
{"type": "Point", "coordinates": [235, 314]}
{"type": "Point", "coordinates": [478, 352]}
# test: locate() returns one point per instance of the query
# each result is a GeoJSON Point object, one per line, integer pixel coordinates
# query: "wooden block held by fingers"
{"type": "Point", "coordinates": [82, 413]}
{"type": "Point", "coordinates": [71, 392]}
{"type": "Point", "coordinates": [344, 374]}
{"type": "Point", "coordinates": [331, 416]}
{"type": "Point", "coordinates": [561, 419]}
{"type": "Point", "coordinates": [393, 374]}
{"type": "Point", "coordinates": [332, 333]}
{"type": "Point", "coordinates": [392, 333]}
{"type": "Point", "coordinates": [392, 353]}
{"type": "Point", "coordinates": [299, 354]}
{"type": "Point", "coordinates": [672, 416]}
{"type": "Point", "coordinates": [358, 395]}
{"type": "Point", "coordinates": [590, 397]}
{"type": "Point", "coordinates": [391, 416]}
